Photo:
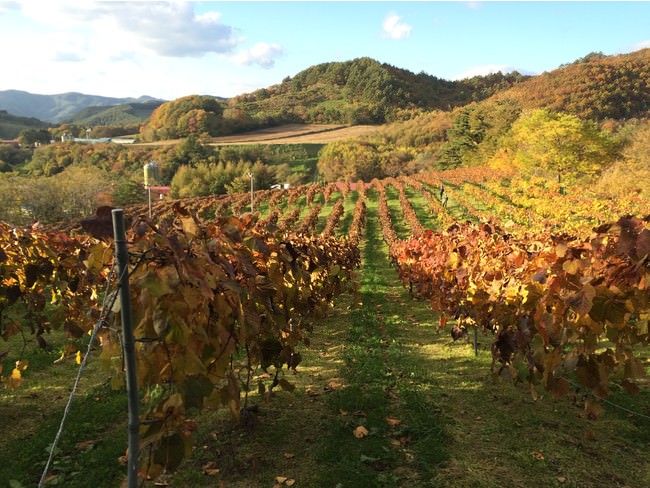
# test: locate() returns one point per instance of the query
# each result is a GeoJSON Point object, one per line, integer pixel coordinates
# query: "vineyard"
{"type": "Point", "coordinates": [522, 307]}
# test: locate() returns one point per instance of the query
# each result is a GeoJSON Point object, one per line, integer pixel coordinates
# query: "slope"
{"type": "Point", "coordinates": [594, 87]}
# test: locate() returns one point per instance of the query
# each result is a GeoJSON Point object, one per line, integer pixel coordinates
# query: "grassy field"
{"type": "Point", "coordinates": [383, 398]}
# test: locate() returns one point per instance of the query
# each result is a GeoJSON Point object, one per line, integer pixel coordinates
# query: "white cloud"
{"type": "Point", "coordinates": [165, 28]}
{"type": "Point", "coordinates": [488, 70]}
{"type": "Point", "coordinates": [473, 5]}
{"type": "Point", "coordinates": [6, 6]}
{"type": "Point", "coordinates": [262, 54]}
{"type": "Point", "coordinates": [394, 28]}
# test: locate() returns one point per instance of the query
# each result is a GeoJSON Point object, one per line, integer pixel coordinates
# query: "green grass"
{"type": "Point", "coordinates": [348, 205]}
{"type": "Point", "coordinates": [402, 228]}
{"type": "Point", "coordinates": [31, 417]}
{"type": "Point", "coordinates": [376, 368]}
{"type": "Point", "coordinates": [420, 206]}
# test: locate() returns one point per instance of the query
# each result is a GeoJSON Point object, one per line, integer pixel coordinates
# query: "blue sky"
{"type": "Point", "coordinates": [172, 49]}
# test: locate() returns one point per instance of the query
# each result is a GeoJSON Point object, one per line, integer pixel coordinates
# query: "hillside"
{"type": "Point", "coordinates": [117, 115]}
{"type": "Point", "coordinates": [361, 91]}
{"type": "Point", "coordinates": [364, 91]}
{"type": "Point", "coordinates": [12, 125]}
{"type": "Point", "coordinates": [56, 108]}
{"type": "Point", "coordinates": [595, 87]}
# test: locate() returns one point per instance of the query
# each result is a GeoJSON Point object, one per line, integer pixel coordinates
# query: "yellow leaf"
{"type": "Point", "coordinates": [15, 380]}
{"type": "Point", "coordinates": [78, 357]}
{"type": "Point", "coordinates": [538, 455]}
{"type": "Point", "coordinates": [360, 432]}
{"type": "Point", "coordinates": [22, 364]}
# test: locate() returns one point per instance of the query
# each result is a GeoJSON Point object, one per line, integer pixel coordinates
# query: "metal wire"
{"type": "Point", "coordinates": [101, 319]}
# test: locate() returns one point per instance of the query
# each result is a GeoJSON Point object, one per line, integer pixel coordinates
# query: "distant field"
{"type": "Point", "coordinates": [296, 134]}
{"type": "Point", "coordinates": [285, 134]}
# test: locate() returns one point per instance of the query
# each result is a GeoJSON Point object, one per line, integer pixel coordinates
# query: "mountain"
{"type": "Point", "coordinates": [56, 108]}
{"type": "Point", "coordinates": [594, 87]}
{"type": "Point", "coordinates": [12, 125]}
{"type": "Point", "coordinates": [364, 90]}
{"type": "Point", "coordinates": [117, 115]}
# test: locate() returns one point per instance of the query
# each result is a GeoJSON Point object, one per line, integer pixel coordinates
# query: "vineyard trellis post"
{"type": "Point", "coordinates": [129, 346]}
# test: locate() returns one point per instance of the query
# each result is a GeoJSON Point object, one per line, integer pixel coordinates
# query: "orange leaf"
{"type": "Point", "coordinates": [393, 422]}
{"type": "Point", "coordinates": [360, 432]}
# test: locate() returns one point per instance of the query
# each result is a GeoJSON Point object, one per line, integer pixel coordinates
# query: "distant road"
{"type": "Point", "coordinates": [285, 134]}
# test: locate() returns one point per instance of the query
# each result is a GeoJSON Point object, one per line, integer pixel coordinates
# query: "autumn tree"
{"type": "Point", "coordinates": [349, 161]}
{"type": "Point", "coordinates": [561, 144]}
{"type": "Point", "coordinates": [188, 115]}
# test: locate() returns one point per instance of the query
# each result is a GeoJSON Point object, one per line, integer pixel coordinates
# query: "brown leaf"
{"type": "Point", "coordinates": [593, 410]}
{"type": "Point", "coordinates": [281, 479]}
{"type": "Point", "coordinates": [289, 455]}
{"type": "Point", "coordinates": [333, 385]}
{"type": "Point", "coordinates": [86, 444]}
{"type": "Point", "coordinates": [290, 482]}
{"type": "Point", "coordinates": [561, 479]}
{"type": "Point", "coordinates": [393, 422]}
{"type": "Point", "coordinates": [538, 455]}
{"type": "Point", "coordinates": [210, 469]}
{"type": "Point", "coordinates": [360, 432]}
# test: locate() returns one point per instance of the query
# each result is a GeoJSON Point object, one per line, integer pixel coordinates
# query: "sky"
{"type": "Point", "coordinates": [173, 49]}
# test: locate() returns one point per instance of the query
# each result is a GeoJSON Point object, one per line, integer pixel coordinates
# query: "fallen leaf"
{"type": "Point", "coordinates": [393, 422]}
{"type": "Point", "coordinates": [561, 479]}
{"type": "Point", "coordinates": [359, 413]}
{"type": "Point", "coordinates": [360, 432]}
{"type": "Point", "coordinates": [333, 385]}
{"type": "Point", "coordinates": [210, 469]}
{"type": "Point", "coordinates": [538, 455]}
{"type": "Point", "coordinates": [342, 412]}
{"type": "Point", "coordinates": [281, 479]}
{"type": "Point", "coordinates": [288, 455]}
{"type": "Point", "coordinates": [290, 482]}
{"type": "Point", "coordinates": [86, 444]}
{"type": "Point", "coordinates": [478, 418]}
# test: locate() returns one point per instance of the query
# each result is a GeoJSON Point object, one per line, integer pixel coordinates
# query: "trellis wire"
{"type": "Point", "coordinates": [100, 320]}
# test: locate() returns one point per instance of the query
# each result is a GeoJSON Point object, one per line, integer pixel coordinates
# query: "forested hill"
{"type": "Point", "coordinates": [364, 91]}
{"type": "Point", "coordinates": [12, 125]}
{"type": "Point", "coordinates": [117, 115]}
{"type": "Point", "coordinates": [594, 87]}
{"type": "Point", "coordinates": [56, 108]}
